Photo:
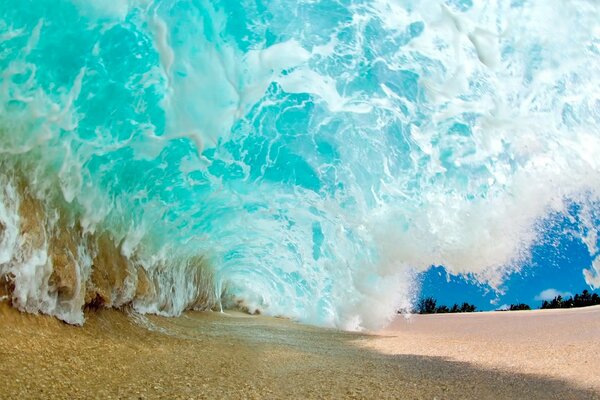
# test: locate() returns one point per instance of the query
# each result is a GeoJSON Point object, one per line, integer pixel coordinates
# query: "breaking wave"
{"type": "Point", "coordinates": [297, 158]}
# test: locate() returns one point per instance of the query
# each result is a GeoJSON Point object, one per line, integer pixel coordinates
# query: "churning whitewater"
{"type": "Point", "coordinates": [298, 158]}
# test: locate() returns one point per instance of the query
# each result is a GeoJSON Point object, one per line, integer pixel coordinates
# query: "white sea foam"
{"type": "Point", "coordinates": [318, 156]}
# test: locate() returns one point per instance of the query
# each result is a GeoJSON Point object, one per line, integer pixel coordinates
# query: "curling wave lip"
{"type": "Point", "coordinates": [303, 159]}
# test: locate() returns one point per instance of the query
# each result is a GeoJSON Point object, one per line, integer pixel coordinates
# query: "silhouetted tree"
{"type": "Point", "coordinates": [584, 299]}
{"type": "Point", "coordinates": [427, 305]}
{"type": "Point", "coordinates": [466, 307]}
{"type": "Point", "coordinates": [519, 307]}
{"type": "Point", "coordinates": [545, 304]}
{"type": "Point", "coordinates": [556, 302]}
{"type": "Point", "coordinates": [442, 310]}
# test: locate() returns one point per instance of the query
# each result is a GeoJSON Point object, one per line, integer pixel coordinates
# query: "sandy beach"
{"type": "Point", "coordinates": [559, 344]}
{"type": "Point", "coordinates": [117, 354]}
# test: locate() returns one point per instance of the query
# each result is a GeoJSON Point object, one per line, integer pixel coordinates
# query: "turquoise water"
{"type": "Point", "coordinates": [317, 153]}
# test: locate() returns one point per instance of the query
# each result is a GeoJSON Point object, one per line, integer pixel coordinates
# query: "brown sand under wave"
{"type": "Point", "coordinates": [211, 355]}
{"type": "Point", "coordinates": [84, 268]}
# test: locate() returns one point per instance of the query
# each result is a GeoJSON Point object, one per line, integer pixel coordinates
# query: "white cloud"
{"type": "Point", "coordinates": [592, 275]}
{"type": "Point", "coordinates": [550, 294]}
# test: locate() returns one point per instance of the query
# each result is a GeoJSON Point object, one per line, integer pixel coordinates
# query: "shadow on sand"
{"type": "Point", "coordinates": [208, 355]}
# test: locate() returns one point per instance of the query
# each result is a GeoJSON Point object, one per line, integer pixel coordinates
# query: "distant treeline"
{"type": "Point", "coordinates": [517, 307]}
{"type": "Point", "coordinates": [428, 305]}
{"type": "Point", "coordinates": [584, 299]}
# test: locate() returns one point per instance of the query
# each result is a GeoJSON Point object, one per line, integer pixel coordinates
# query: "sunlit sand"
{"type": "Point", "coordinates": [117, 354]}
{"type": "Point", "coordinates": [561, 344]}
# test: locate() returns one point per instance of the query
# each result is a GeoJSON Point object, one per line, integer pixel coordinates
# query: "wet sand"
{"type": "Point", "coordinates": [117, 354]}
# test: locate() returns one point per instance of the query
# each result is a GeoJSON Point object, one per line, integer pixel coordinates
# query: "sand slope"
{"type": "Point", "coordinates": [563, 344]}
{"type": "Point", "coordinates": [210, 355]}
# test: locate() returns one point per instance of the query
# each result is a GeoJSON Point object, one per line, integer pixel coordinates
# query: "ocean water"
{"type": "Point", "coordinates": [297, 158]}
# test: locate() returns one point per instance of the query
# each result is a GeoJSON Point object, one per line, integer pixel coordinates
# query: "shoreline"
{"type": "Point", "coordinates": [209, 355]}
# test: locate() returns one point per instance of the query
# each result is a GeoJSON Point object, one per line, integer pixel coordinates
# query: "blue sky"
{"type": "Point", "coordinates": [557, 262]}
